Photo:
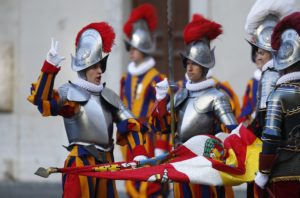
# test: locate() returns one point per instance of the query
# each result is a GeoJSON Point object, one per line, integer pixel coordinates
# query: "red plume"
{"type": "Point", "coordinates": [199, 28]}
{"type": "Point", "coordinates": [106, 31]}
{"type": "Point", "coordinates": [145, 11]}
{"type": "Point", "coordinates": [289, 22]}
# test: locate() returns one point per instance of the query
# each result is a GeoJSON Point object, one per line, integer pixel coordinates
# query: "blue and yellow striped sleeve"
{"type": "Point", "coordinates": [131, 131]}
{"type": "Point", "coordinates": [46, 98]}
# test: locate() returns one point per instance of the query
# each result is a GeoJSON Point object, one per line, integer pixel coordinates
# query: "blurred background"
{"type": "Point", "coordinates": [27, 140]}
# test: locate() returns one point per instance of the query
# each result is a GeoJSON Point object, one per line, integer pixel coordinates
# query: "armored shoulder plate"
{"type": "Point", "coordinates": [218, 102]}
{"type": "Point", "coordinates": [113, 99]}
{"type": "Point", "coordinates": [267, 84]}
{"type": "Point", "coordinates": [222, 103]}
{"type": "Point", "coordinates": [72, 92]}
{"type": "Point", "coordinates": [287, 95]}
{"type": "Point", "coordinates": [204, 102]}
{"type": "Point", "coordinates": [180, 97]}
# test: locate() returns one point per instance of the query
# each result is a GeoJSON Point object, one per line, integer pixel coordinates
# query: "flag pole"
{"type": "Point", "coordinates": [171, 69]}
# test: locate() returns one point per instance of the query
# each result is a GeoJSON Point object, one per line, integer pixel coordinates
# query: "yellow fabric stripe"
{"type": "Point", "coordinates": [143, 189]}
{"type": "Point", "coordinates": [103, 188]}
{"type": "Point", "coordinates": [137, 103]}
{"type": "Point", "coordinates": [163, 137]}
{"type": "Point", "coordinates": [131, 189]}
{"type": "Point", "coordinates": [176, 190]}
{"type": "Point", "coordinates": [136, 132]}
{"type": "Point", "coordinates": [134, 80]}
{"type": "Point", "coordinates": [131, 141]}
{"type": "Point", "coordinates": [47, 87]}
{"type": "Point", "coordinates": [46, 108]}
{"type": "Point", "coordinates": [250, 86]}
{"type": "Point", "coordinates": [191, 187]}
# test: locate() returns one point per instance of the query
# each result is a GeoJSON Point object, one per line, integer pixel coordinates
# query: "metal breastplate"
{"type": "Point", "coordinates": [267, 84]}
{"type": "Point", "coordinates": [283, 115]}
{"type": "Point", "coordinates": [194, 117]}
{"type": "Point", "coordinates": [93, 123]}
{"type": "Point", "coordinates": [191, 122]}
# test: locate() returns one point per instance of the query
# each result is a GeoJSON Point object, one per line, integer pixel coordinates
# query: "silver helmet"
{"type": "Point", "coordinates": [141, 38]}
{"type": "Point", "coordinates": [261, 37]}
{"type": "Point", "coordinates": [88, 51]}
{"type": "Point", "coordinates": [289, 50]}
{"type": "Point", "coordinates": [200, 53]}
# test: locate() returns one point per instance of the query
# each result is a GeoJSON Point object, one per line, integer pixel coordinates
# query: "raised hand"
{"type": "Point", "coordinates": [52, 55]}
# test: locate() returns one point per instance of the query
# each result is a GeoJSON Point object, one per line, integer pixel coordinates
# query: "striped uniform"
{"type": "Point", "coordinates": [138, 94]}
{"type": "Point", "coordinates": [249, 100]}
{"type": "Point", "coordinates": [49, 104]}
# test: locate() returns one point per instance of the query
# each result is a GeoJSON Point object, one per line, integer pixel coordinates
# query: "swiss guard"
{"type": "Point", "coordinates": [279, 170]}
{"type": "Point", "coordinates": [89, 110]}
{"type": "Point", "coordinates": [199, 106]}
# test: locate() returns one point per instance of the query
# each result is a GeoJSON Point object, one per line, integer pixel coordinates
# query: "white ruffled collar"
{"type": "Point", "coordinates": [200, 85]}
{"type": "Point", "coordinates": [88, 85]}
{"type": "Point", "coordinates": [257, 74]}
{"type": "Point", "coordinates": [142, 68]}
{"type": "Point", "coordinates": [268, 65]}
{"type": "Point", "coordinates": [288, 77]}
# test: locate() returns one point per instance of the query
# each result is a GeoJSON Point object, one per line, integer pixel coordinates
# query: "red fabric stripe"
{"type": "Point", "coordinates": [72, 185]}
{"type": "Point", "coordinates": [139, 150]}
{"type": "Point", "coordinates": [49, 68]}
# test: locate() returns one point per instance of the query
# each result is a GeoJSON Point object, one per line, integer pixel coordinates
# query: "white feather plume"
{"type": "Point", "coordinates": [263, 8]}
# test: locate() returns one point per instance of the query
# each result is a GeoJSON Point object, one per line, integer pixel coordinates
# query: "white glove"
{"type": "Point", "coordinates": [161, 89]}
{"type": "Point", "coordinates": [52, 55]}
{"type": "Point", "coordinates": [140, 158]}
{"type": "Point", "coordinates": [158, 152]}
{"type": "Point", "coordinates": [261, 179]}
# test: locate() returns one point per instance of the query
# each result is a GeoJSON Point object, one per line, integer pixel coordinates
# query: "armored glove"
{"type": "Point", "coordinates": [161, 89]}
{"type": "Point", "coordinates": [52, 55]}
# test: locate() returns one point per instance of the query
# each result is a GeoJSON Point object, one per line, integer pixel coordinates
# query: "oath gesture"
{"type": "Point", "coordinates": [52, 55]}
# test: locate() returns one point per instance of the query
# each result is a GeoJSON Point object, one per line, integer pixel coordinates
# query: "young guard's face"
{"type": "Point", "coordinates": [136, 56]}
{"type": "Point", "coordinates": [262, 57]}
{"type": "Point", "coordinates": [93, 74]}
{"type": "Point", "coordinates": [194, 71]}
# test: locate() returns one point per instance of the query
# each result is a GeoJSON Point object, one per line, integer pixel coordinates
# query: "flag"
{"type": "Point", "coordinates": [224, 159]}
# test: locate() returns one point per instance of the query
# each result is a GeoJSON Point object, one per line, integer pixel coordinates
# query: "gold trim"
{"type": "Point", "coordinates": [286, 178]}
{"type": "Point", "coordinates": [293, 111]}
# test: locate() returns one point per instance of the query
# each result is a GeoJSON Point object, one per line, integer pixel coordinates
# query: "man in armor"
{"type": "Point", "coordinates": [260, 22]}
{"type": "Point", "coordinates": [279, 170]}
{"type": "Point", "coordinates": [199, 106]}
{"type": "Point", "coordinates": [89, 110]}
{"type": "Point", "coordinates": [138, 89]}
